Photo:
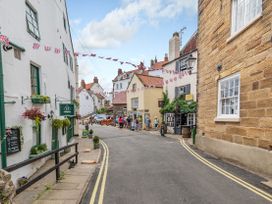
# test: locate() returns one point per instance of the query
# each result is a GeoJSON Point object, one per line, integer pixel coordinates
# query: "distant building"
{"type": "Point", "coordinates": [91, 97]}
{"type": "Point", "coordinates": [143, 97]}
{"type": "Point", "coordinates": [156, 67]}
{"type": "Point", "coordinates": [120, 85]}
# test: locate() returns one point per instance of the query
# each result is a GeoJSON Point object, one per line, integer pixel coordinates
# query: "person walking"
{"type": "Point", "coordinates": [156, 123]}
{"type": "Point", "coordinates": [120, 121]}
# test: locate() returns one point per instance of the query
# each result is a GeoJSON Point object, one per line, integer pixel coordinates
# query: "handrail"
{"type": "Point", "coordinates": [55, 167]}
{"type": "Point", "coordinates": [29, 161]}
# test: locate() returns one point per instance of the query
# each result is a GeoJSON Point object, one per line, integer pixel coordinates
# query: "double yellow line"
{"type": "Point", "coordinates": [243, 183]}
{"type": "Point", "coordinates": [102, 174]}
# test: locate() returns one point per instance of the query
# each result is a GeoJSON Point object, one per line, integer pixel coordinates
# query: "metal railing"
{"type": "Point", "coordinates": [56, 167]}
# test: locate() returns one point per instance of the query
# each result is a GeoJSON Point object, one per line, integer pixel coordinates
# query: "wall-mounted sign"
{"type": "Point", "coordinates": [67, 109]}
{"type": "Point", "coordinates": [13, 140]}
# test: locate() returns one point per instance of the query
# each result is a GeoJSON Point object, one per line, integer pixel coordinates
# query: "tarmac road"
{"type": "Point", "coordinates": [148, 169]}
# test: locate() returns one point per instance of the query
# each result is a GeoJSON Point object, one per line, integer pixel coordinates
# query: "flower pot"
{"type": "Point", "coordinates": [96, 145]}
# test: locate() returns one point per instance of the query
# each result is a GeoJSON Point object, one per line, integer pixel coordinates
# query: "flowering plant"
{"type": "Point", "coordinates": [34, 114]}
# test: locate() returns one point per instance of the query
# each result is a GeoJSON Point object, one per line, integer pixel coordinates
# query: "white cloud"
{"type": "Point", "coordinates": [122, 23]}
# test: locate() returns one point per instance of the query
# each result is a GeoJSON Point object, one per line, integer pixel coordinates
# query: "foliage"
{"type": "Point", "coordinates": [40, 99]}
{"type": "Point", "coordinates": [103, 111]}
{"type": "Point", "coordinates": [38, 149]}
{"type": "Point", "coordinates": [85, 133]}
{"type": "Point", "coordinates": [22, 181]}
{"type": "Point", "coordinates": [90, 131]}
{"type": "Point", "coordinates": [182, 105]}
{"type": "Point", "coordinates": [57, 123]}
{"type": "Point", "coordinates": [66, 122]}
{"type": "Point", "coordinates": [34, 114]}
{"type": "Point", "coordinates": [96, 140]}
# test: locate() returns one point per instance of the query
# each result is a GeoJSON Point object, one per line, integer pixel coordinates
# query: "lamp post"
{"type": "Point", "coordinates": [2, 115]}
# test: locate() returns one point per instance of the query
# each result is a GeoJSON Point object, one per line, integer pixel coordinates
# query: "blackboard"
{"type": "Point", "coordinates": [13, 141]}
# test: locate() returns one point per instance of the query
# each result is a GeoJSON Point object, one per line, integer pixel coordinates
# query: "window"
{"type": "Point", "coordinates": [244, 12]}
{"type": "Point", "coordinates": [64, 22]}
{"type": "Point", "coordinates": [121, 85]}
{"type": "Point", "coordinates": [117, 86]}
{"type": "Point", "coordinates": [183, 90]}
{"type": "Point", "coordinates": [71, 62]}
{"type": "Point", "coordinates": [134, 102]}
{"type": "Point", "coordinates": [35, 80]}
{"type": "Point", "coordinates": [134, 86]}
{"type": "Point", "coordinates": [32, 22]}
{"type": "Point", "coordinates": [229, 97]}
{"type": "Point", "coordinates": [17, 53]}
{"type": "Point", "coordinates": [65, 57]}
{"type": "Point", "coordinates": [191, 119]}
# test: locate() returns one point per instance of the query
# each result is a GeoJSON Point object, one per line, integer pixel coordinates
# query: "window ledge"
{"type": "Point", "coordinates": [243, 29]}
{"type": "Point", "coordinates": [234, 120]}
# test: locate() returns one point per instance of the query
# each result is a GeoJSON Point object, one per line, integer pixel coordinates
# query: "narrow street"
{"type": "Point", "coordinates": [149, 169]}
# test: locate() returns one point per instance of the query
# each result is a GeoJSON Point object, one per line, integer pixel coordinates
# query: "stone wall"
{"type": "Point", "coordinates": [250, 54]}
{"type": "Point", "coordinates": [7, 188]}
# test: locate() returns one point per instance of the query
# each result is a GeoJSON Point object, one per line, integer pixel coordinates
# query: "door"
{"type": "Point", "coordinates": [71, 130]}
{"type": "Point", "coordinates": [55, 140]}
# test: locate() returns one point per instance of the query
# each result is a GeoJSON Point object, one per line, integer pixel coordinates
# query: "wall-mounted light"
{"type": "Point", "coordinates": [219, 67]}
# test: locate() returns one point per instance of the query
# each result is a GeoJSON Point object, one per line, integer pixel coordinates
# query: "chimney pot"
{"type": "Point", "coordinates": [83, 84]}
{"type": "Point", "coordinates": [95, 80]}
{"type": "Point", "coordinates": [120, 71]}
{"type": "Point", "coordinates": [166, 57]}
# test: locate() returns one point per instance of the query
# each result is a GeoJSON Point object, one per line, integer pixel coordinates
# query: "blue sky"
{"type": "Point", "coordinates": [130, 30]}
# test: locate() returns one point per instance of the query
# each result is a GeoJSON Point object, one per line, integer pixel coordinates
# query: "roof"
{"type": "Point", "coordinates": [190, 46]}
{"type": "Point", "coordinates": [152, 81]}
{"type": "Point", "coordinates": [89, 86]}
{"type": "Point", "coordinates": [130, 72]}
{"type": "Point", "coordinates": [99, 96]}
{"type": "Point", "coordinates": [120, 98]}
{"type": "Point", "coordinates": [158, 65]}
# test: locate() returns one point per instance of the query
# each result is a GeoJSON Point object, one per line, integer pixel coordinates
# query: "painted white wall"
{"type": "Point", "coordinates": [54, 73]}
{"type": "Point", "coordinates": [156, 72]}
{"type": "Point", "coordinates": [124, 83]}
{"type": "Point", "coordinates": [86, 103]}
{"type": "Point", "coordinates": [186, 79]}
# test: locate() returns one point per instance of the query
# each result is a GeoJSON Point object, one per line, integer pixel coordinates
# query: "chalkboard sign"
{"type": "Point", "coordinates": [13, 140]}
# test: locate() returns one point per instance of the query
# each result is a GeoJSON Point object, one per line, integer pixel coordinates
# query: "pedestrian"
{"type": "Point", "coordinates": [156, 122]}
{"type": "Point", "coordinates": [120, 121]}
{"type": "Point", "coordinates": [137, 124]}
{"type": "Point", "coordinates": [128, 122]}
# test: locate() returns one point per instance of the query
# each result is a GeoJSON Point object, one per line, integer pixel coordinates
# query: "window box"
{"type": "Point", "coordinates": [39, 99]}
{"type": "Point", "coordinates": [38, 150]}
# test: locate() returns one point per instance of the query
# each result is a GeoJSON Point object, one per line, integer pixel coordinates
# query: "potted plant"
{"type": "Point", "coordinates": [85, 133]}
{"type": "Point", "coordinates": [37, 149]}
{"type": "Point", "coordinates": [57, 123]}
{"type": "Point", "coordinates": [39, 99]}
{"type": "Point", "coordinates": [22, 181]}
{"type": "Point", "coordinates": [96, 142]}
{"type": "Point", "coordinates": [34, 114]}
{"type": "Point", "coordinates": [66, 122]}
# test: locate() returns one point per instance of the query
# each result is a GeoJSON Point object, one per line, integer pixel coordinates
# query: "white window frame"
{"type": "Point", "coordinates": [221, 116]}
{"type": "Point", "coordinates": [191, 117]}
{"type": "Point", "coordinates": [32, 21]}
{"type": "Point", "coordinates": [247, 22]}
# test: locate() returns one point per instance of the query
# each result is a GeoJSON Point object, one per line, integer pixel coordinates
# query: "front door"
{"type": "Point", "coordinates": [55, 140]}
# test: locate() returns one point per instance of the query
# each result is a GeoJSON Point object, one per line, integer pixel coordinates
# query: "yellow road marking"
{"type": "Point", "coordinates": [98, 178]}
{"type": "Point", "coordinates": [102, 190]}
{"type": "Point", "coordinates": [243, 183]}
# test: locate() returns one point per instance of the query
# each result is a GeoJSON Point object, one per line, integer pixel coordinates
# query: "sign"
{"type": "Point", "coordinates": [160, 104]}
{"type": "Point", "coordinates": [189, 97]}
{"type": "Point", "coordinates": [67, 109]}
{"type": "Point", "coordinates": [13, 140]}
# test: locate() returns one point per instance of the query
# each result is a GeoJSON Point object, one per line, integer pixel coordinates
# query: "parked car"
{"type": "Point", "coordinates": [99, 117]}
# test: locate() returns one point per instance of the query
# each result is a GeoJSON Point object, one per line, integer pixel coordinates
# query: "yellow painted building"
{"type": "Point", "coordinates": [143, 96]}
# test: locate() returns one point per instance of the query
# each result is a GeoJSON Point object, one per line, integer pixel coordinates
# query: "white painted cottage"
{"type": "Point", "coordinates": [38, 61]}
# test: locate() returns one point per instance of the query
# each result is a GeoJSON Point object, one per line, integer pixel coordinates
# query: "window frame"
{"type": "Point", "coordinates": [135, 99]}
{"type": "Point", "coordinates": [36, 19]}
{"type": "Point", "coordinates": [38, 86]}
{"type": "Point", "coordinates": [246, 24]}
{"type": "Point", "coordinates": [219, 104]}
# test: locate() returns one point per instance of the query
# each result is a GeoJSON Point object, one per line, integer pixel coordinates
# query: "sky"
{"type": "Point", "coordinates": [129, 30]}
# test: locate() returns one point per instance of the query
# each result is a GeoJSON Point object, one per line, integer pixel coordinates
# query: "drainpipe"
{"type": "Point", "coordinates": [2, 116]}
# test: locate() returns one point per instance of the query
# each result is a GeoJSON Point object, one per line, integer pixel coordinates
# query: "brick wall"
{"type": "Point", "coordinates": [250, 54]}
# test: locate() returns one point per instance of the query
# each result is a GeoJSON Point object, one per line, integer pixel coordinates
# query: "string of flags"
{"type": "Point", "coordinates": [4, 40]}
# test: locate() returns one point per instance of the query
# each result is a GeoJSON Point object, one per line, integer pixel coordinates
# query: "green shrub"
{"type": "Point", "coordinates": [38, 149]}
{"type": "Point", "coordinates": [66, 122]}
{"type": "Point", "coordinates": [85, 133]}
{"type": "Point", "coordinates": [96, 140]}
{"type": "Point", "coordinates": [91, 132]}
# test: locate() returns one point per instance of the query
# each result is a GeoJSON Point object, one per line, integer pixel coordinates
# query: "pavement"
{"type": "Point", "coordinates": [145, 168]}
{"type": "Point", "coordinates": [74, 181]}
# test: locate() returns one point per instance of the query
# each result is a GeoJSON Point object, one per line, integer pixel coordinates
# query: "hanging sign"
{"type": "Point", "coordinates": [67, 109]}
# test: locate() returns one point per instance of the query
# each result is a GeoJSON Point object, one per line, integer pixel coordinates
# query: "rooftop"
{"type": "Point", "coordinates": [150, 81]}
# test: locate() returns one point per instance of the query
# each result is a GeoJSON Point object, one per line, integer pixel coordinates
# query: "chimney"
{"type": "Point", "coordinates": [82, 84]}
{"type": "Point", "coordinates": [95, 80]}
{"type": "Point", "coordinates": [155, 60]}
{"type": "Point", "coordinates": [166, 57]}
{"type": "Point", "coordinates": [174, 46]}
{"type": "Point", "coordinates": [120, 71]}
{"type": "Point", "coordinates": [151, 63]}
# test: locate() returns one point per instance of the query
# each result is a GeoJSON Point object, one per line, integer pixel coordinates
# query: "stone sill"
{"type": "Point", "coordinates": [243, 29]}
{"type": "Point", "coordinates": [233, 120]}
